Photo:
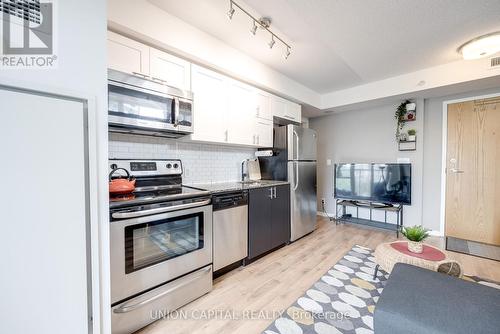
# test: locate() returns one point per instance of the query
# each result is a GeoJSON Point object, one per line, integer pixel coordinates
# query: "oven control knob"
{"type": "Point", "coordinates": [169, 166]}
{"type": "Point", "coordinates": [114, 166]}
{"type": "Point", "coordinates": [176, 166]}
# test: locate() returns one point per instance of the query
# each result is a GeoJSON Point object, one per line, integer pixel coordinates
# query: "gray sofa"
{"type": "Point", "coordinates": [416, 300]}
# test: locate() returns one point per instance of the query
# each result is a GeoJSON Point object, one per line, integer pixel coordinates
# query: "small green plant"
{"type": "Point", "coordinates": [412, 132]}
{"type": "Point", "coordinates": [399, 115]}
{"type": "Point", "coordinates": [415, 233]}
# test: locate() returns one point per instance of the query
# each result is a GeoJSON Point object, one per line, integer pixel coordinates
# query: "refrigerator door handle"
{"type": "Point", "coordinates": [296, 144]}
{"type": "Point", "coordinates": [296, 175]}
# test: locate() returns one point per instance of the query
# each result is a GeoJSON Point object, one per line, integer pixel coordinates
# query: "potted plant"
{"type": "Point", "coordinates": [415, 235]}
{"type": "Point", "coordinates": [411, 134]}
{"type": "Point", "coordinates": [399, 115]}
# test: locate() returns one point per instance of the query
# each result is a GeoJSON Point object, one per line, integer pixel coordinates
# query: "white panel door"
{"type": "Point", "coordinates": [43, 252]}
{"type": "Point", "coordinates": [169, 69]}
{"type": "Point", "coordinates": [127, 55]}
{"type": "Point", "coordinates": [210, 106]}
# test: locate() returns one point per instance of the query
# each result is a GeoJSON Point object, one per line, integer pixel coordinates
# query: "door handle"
{"type": "Point", "coordinates": [176, 121]}
{"type": "Point", "coordinates": [457, 171]}
{"type": "Point", "coordinates": [296, 176]}
{"type": "Point", "coordinates": [296, 144]}
{"type": "Point", "coordinates": [129, 308]}
{"type": "Point", "coordinates": [141, 213]}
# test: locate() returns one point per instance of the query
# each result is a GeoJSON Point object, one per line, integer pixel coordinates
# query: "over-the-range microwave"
{"type": "Point", "coordinates": [143, 106]}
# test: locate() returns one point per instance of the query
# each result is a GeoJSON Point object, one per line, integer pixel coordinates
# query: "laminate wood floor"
{"type": "Point", "coordinates": [275, 281]}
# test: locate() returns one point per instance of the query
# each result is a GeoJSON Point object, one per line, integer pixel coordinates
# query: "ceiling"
{"type": "Point", "coordinates": [338, 44]}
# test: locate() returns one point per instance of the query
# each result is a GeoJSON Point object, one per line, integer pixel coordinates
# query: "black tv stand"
{"type": "Point", "coordinates": [386, 207]}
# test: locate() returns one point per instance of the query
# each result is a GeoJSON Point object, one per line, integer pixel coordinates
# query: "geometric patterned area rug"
{"type": "Point", "coordinates": [343, 300]}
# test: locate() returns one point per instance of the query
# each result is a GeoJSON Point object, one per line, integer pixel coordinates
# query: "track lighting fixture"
{"type": "Point", "coordinates": [272, 42]}
{"type": "Point", "coordinates": [254, 28]}
{"type": "Point", "coordinates": [264, 23]}
{"type": "Point", "coordinates": [230, 13]}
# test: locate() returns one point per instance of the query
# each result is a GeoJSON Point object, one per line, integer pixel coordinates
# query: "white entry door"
{"type": "Point", "coordinates": [44, 221]}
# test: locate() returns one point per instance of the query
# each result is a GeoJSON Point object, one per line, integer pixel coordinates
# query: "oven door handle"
{"type": "Point", "coordinates": [129, 308]}
{"type": "Point", "coordinates": [141, 213]}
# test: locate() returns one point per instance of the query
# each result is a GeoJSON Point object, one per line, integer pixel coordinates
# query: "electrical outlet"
{"type": "Point", "coordinates": [323, 201]}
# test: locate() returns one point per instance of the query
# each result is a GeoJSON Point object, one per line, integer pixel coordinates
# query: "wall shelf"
{"type": "Point", "coordinates": [407, 145]}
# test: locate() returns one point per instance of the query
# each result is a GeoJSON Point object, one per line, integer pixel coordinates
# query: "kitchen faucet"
{"type": "Point", "coordinates": [243, 174]}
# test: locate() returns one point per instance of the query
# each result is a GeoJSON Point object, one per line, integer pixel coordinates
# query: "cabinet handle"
{"type": "Point", "coordinates": [227, 135]}
{"type": "Point", "coordinates": [140, 75]}
{"type": "Point", "coordinates": [271, 192]}
{"type": "Point", "coordinates": [254, 139]}
{"type": "Point", "coordinates": [289, 117]}
{"type": "Point", "coordinates": [158, 79]}
{"type": "Point", "coordinates": [274, 192]}
{"type": "Point", "coordinates": [258, 139]}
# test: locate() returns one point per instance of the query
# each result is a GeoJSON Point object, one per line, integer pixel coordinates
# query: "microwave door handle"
{"type": "Point", "coordinates": [176, 111]}
{"type": "Point", "coordinates": [129, 308]}
{"type": "Point", "coordinates": [140, 213]}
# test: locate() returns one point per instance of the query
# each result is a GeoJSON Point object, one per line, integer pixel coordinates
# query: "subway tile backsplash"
{"type": "Point", "coordinates": [203, 163]}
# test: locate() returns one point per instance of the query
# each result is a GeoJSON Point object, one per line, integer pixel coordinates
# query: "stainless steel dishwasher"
{"type": "Point", "coordinates": [230, 228]}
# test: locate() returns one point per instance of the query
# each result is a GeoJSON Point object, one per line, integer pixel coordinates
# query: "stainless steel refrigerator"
{"type": "Point", "coordinates": [294, 161]}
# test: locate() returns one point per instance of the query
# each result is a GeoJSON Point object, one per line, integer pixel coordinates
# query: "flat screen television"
{"type": "Point", "coordinates": [381, 183]}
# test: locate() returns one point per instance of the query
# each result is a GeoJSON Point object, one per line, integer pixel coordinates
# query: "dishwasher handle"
{"type": "Point", "coordinates": [227, 201]}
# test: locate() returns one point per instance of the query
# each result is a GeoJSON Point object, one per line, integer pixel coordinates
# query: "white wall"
{"type": "Point", "coordinates": [363, 136]}
{"type": "Point", "coordinates": [146, 22]}
{"type": "Point", "coordinates": [81, 72]}
{"type": "Point", "coordinates": [202, 163]}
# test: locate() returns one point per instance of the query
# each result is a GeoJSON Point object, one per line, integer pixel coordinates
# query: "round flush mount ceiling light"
{"type": "Point", "coordinates": [480, 47]}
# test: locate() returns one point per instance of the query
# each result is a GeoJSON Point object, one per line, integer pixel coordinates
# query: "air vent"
{"type": "Point", "coordinates": [495, 62]}
{"type": "Point", "coordinates": [24, 9]}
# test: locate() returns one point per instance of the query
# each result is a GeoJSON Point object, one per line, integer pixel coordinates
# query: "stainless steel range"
{"type": "Point", "coordinates": [161, 244]}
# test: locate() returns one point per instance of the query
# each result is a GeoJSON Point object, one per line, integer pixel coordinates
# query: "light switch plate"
{"type": "Point", "coordinates": [328, 162]}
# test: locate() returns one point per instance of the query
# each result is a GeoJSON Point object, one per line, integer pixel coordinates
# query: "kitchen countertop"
{"type": "Point", "coordinates": [235, 186]}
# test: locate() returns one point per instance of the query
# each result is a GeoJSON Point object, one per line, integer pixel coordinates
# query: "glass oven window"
{"type": "Point", "coordinates": [150, 243]}
{"type": "Point", "coordinates": [135, 104]}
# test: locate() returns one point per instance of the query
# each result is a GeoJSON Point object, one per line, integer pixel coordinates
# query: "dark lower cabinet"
{"type": "Point", "coordinates": [268, 219]}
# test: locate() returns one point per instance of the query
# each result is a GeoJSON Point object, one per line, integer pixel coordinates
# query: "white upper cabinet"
{"type": "Point", "coordinates": [241, 112]}
{"type": "Point", "coordinates": [210, 106]}
{"type": "Point", "coordinates": [127, 55]}
{"type": "Point", "coordinates": [263, 133]}
{"type": "Point", "coordinates": [278, 106]}
{"type": "Point", "coordinates": [293, 112]}
{"type": "Point", "coordinates": [169, 69]}
{"type": "Point", "coordinates": [263, 105]}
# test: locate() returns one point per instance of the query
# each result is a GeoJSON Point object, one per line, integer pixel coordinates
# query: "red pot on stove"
{"type": "Point", "coordinates": [121, 185]}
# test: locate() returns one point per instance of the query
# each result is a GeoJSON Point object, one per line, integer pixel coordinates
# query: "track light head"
{"type": "Point", "coordinates": [254, 28]}
{"type": "Point", "coordinates": [230, 13]}
{"type": "Point", "coordinates": [287, 52]}
{"type": "Point", "coordinates": [272, 42]}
